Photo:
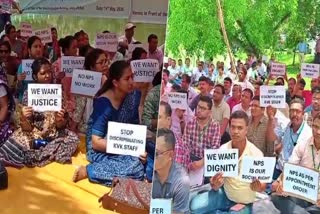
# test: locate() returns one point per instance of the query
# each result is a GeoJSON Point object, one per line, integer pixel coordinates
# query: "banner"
{"type": "Point", "coordinates": [150, 11]}
{"type": "Point", "coordinates": [143, 11]}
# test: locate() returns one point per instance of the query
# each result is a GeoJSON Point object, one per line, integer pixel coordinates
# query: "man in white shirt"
{"type": "Point", "coordinates": [127, 38]}
{"type": "Point", "coordinates": [246, 98]}
{"type": "Point", "coordinates": [173, 69]}
{"type": "Point", "coordinates": [199, 71]}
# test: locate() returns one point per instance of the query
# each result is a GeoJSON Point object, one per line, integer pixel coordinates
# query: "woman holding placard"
{"type": "Point", "coordinates": [35, 49]}
{"type": "Point", "coordinates": [41, 137]}
{"type": "Point", "coordinates": [107, 105]}
{"type": "Point", "coordinates": [96, 60]}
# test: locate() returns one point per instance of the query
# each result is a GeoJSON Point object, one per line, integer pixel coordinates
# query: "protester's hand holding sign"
{"type": "Point", "coordinates": [143, 158]}
{"type": "Point", "coordinates": [195, 165]}
{"type": "Point", "coordinates": [22, 76]}
{"type": "Point", "coordinates": [257, 186]}
{"type": "Point", "coordinates": [217, 181]}
{"type": "Point", "coordinates": [60, 118]}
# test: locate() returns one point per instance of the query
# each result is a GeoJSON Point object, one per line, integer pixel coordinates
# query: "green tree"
{"type": "Point", "coordinates": [251, 25]}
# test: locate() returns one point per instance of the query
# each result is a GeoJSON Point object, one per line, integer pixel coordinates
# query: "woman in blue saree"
{"type": "Point", "coordinates": [115, 101]}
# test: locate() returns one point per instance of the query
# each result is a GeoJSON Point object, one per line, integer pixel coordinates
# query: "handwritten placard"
{"type": "Point", "coordinates": [310, 70]}
{"type": "Point", "coordinates": [178, 100]}
{"type": "Point", "coordinates": [26, 29]}
{"type": "Point", "coordinates": [26, 68]}
{"type": "Point", "coordinates": [301, 182]}
{"type": "Point", "coordinates": [259, 168]}
{"type": "Point", "coordinates": [161, 206]}
{"type": "Point", "coordinates": [85, 82]}
{"type": "Point", "coordinates": [278, 69]}
{"type": "Point", "coordinates": [274, 96]}
{"type": "Point", "coordinates": [126, 139]}
{"type": "Point", "coordinates": [221, 160]}
{"type": "Point", "coordinates": [68, 63]}
{"type": "Point", "coordinates": [144, 70]}
{"type": "Point", "coordinates": [44, 34]}
{"type": "Point", "coordinates": [45, 97]}
{"type": "Point", "coordinates": [107, 41]}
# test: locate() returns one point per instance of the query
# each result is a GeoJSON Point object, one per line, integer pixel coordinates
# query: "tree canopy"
{"type": "Point", "coordinates": [251, 25]}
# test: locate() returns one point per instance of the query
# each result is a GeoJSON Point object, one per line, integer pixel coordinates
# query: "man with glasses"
{"type": "Point", "coordinates": [305, 154]}
{"type": "Point", "coordinates": [170, 179]}
{"type": "Point", "coordinates": [201, 133]}
{"type": "Point", "coordinates": [296, 131]}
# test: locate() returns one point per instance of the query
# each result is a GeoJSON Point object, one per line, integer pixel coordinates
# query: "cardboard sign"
{"type": "Point", "coordinates": [259, 168]}
{"type": "Point", "coordinates": [68, 63]}
{"type": "Point", "coordinates": [274, 96]}
{"type": "Point", "coordinates": [278, 69]}
{"type": "Point", "coordinates": [126, 139]}
{"type": "Point", "coordinates": [301, 182]}
{"type": "Point", "coordinates": [44, 34]}
{"type": "Point", "coordinates": [45, 97]}
{"type": "Point", "coordinates": [144, 70]}
{"type": "Point", "coordinates": [221, 160]}
{"type": "Point", "coordinates": [26, 29]}
{"type": "Point", "coordinates": [178, 100]}
{"type": "Point", "coordinates": [85, 82]}
{"type": "Point", "coordinates": [26, 68]}
{"type": "Point", "coordinates": [107, 42]}
{"type": "Point", "coordinates": [161, 206]}
{"type": "Point", "coordinates": [310, 70]}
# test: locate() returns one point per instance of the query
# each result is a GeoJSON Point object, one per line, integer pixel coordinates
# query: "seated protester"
{"type": "Point", "coordinates": [7, 107]}
{"type": "Point", "coordinates": [204, 88]}
{"type": "Point", "coordinates": [35, 49]}
{"type": "Point", "coordinates": [82, 38]}
{"type": "Point", "coordinates": [304, 154]}
{"type": "Point", "coordinates": [242, 80]}
{"type": "Point", "coordinates": [47, 128]}
{"type": "Point", "coordinates": [185, 85]}
{"type": "Point", "coordinates": [244, 106]}
{"type": "Point", "coordinates": [174, 71]}
{"type": "Point", "coordinates": [170, 179]}
{"type": "Point", "coordinates": [289, 93]}
{"type": "Point", "coordinates": [226, 191]}
{"type": "Point", "coordinates": [299, 91]}
{"type": "Point", "coordinates": [9, 65]}
{"type": "Point", "coordinates": [315, 106]}
{"type": "Point", "coordinates": [296, 131]}
{"type": "Point", "coordinates": [235, 99]}
{"type": "Point", "coordinates": [166, 85]}
{"type": "Point", "coordinates": [219, 78]}
{"type": "Point", "coordinates": [107, 106]}
{"type": "Point", "coordinates": [201, 133]}
{"type": "Point", "coordinates": [261, 130]}
{"type": "Point", "coordinates": [227, 84]}
{"type": "Point", "coordinates": [221, 112]}
{"type": "Point", "coordinates": [257, 86]}
{"type": "Point", "coordinates": [199, 72]}
{"type": "Point", "coordinates": [252, 75]}
{"type": "Point", "coordinates": [97, 60]}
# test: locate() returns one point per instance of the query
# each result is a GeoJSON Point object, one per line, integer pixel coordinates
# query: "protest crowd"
{"type": "Point", "coordinates": [241, 139]}
{"type": "Point", "coordinates": [58, 96]}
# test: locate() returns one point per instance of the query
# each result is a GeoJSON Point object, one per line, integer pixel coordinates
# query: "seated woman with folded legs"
{"type": "Point", "coordinates": [41, 137]}
{"type": "Point", "coordinates": [107, 106]}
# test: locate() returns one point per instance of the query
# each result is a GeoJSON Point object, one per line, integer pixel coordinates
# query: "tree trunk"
{"type": "Point", "coordinates": [225, 37]}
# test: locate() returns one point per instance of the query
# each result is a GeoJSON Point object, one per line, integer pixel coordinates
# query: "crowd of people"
{"type": "Point", "coordinates": [29, 138]}
{"type": "Point", "coordinates": [225, 112]}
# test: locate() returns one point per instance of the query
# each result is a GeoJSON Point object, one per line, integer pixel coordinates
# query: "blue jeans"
{"type": "Point", "coordinates": [215, 202]}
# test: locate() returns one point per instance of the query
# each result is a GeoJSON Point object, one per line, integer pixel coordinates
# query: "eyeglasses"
{"type": "Point", "coordinates": [157, 153]}
{"type": "Point", "coordinates": [4, 51]}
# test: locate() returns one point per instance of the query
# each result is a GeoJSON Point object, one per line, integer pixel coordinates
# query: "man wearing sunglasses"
{"type": "Point", "coordinates": [170, 180]}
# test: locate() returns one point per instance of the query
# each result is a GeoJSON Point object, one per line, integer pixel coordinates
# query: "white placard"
{"type": "Point", "coordinates": [256, 167]}
{"type": "Point", "coordinates": [274, 96]}
{"type": "Point", "coordinates": [107, 42]}
{"type": "Point", "coordinates": [196, 177]}
{"type": "Point", "coordinates": [301, 182]}
{"type": "Point", "coordinates": [310, 70]}
{"type": "Point", "coordinates": [26, 68]}
{"type": "Point", "coordinates": [126, 139]}
{"type": "Point", "coordinates": [278, 69]}
{"type": "Point", "coordinates": [161, 206]}
{"type": "Point", "coordinates": [85, 82]}
{"type": "Point", "coordinates": [178, 100]}
{"type": "Point", "coordinates": [151, 11]}
{"type": "Point", "coordinates": [144, 70]}
{"type": "Point", "coordinates": [44, 34]}
{"type": "Point", "coordinates": [26, 29]}
{"type": "Point", "coordinates": [45, 97]}
{"type": "Point", "coordinates": [68, 63]}
{"type": "Point", "coordinates": [221, 160]}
